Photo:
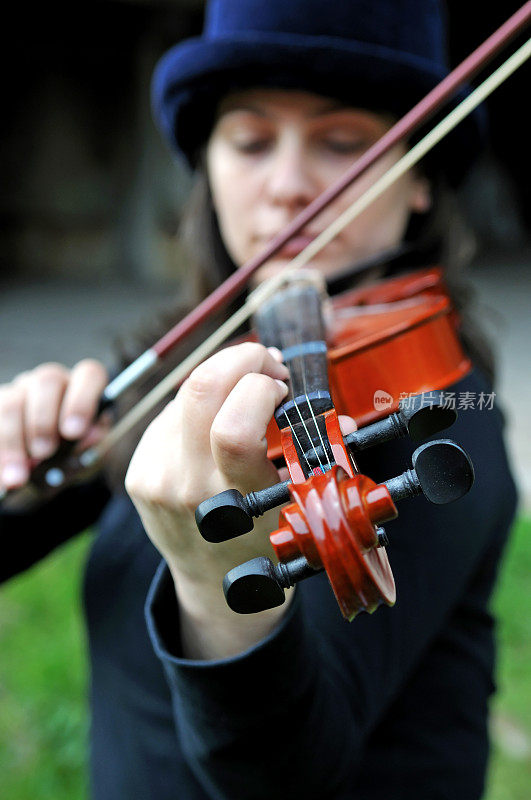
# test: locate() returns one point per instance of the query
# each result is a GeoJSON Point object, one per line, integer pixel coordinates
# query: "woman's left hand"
{"type": "Point", "coordinates": [211, 437]}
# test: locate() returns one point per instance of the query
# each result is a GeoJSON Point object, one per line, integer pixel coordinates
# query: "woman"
{"type": "Point", "coordinates": [395, 704]}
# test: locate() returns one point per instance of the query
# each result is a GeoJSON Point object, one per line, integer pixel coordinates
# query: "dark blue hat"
{"type": "Point", "coordinates": [383, 55]}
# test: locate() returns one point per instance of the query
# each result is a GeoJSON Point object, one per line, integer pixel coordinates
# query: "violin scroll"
{"type": "Point", "coordinates": [441, 470]}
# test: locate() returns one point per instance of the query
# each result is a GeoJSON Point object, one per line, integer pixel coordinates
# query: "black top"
{"type": "Point", "coordinates": [392, 705]}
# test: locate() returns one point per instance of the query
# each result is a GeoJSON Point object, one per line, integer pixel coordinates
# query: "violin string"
{"type": "Point", "coordinates": [320, 438]}
{"type": "Point", "coordinates": [266, 289]}
{"type": "Point", "coordinates": [299, 341]}
{"type": "Point", "coordinates": [319, 435]}
{"type": "Point", "coordinates": [292, 429]}
{"type": "Point", "coordinates": [303, 370]}
{"type": "Point", "coordinates": [316, 454]}
{"type": "Point", "coordinates": [284, 344]}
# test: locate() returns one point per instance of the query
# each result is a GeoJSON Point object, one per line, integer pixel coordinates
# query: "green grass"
{"type": "Point", "coordinates": [43, 679]}
{"type": "Point", "coordinates": [510, 774]}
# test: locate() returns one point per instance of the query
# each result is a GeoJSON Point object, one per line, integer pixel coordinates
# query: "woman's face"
{"type": "Point", "coordinates": [274, 151]}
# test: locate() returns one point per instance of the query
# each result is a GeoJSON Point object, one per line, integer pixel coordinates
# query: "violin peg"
{"type": "Point", "coordinates": [418, 417]}
{"type": "Point", "coordinates": [259, 584]}
{"type": "Point", "coordinates": [253, 587]}
{"type": "Point", "coordinates": [223, 516]}
{"type": "Point", "coordinates": [442, 471]}
{"type": "Point", "coordinates": [424, 416]}
{"type": "Point", "coordinates": [229, 514]}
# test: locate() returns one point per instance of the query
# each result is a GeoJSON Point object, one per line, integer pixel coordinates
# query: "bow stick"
{"type": "Point", "coordinates": [402, 129]}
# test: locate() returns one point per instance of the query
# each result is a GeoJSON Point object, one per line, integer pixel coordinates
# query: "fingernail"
{"type": "Point", "coordinates": [73, 427]}
{"type": "Point", "coordinates": [283, 386]}
{"type": "Point", "coordinates": [14, 475]}
{"type": "Point", "coordinates": [42, 447]}
{"type": "Point", "coordinates": [276, 353]}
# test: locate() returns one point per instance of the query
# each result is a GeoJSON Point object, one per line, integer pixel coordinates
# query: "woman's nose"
{"type": "Point", "coordinates": [291, 181]}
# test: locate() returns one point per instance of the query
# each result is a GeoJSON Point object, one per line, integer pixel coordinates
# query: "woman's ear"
{"type": "Point", "coordinates": [421, 197]}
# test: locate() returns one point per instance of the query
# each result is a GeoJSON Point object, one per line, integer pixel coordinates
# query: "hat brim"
{"type": "Point", "coordinates": [191, 78]}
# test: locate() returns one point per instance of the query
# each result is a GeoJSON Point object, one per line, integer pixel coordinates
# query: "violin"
{"type": "Point", "coordinates": [398, 339]}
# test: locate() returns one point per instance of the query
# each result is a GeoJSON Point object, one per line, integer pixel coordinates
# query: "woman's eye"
{"type": "Point", "coordinates": [346, 146]}
{"type": "Point", "coordinates": [251, 146]}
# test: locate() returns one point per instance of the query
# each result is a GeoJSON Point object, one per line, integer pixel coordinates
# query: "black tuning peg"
{"type": "Point", "coordinates": [419, 417]}
{"type": "Point", "coordinates": [259, 584]}
{"type": "Point", "coordinates": [442, 471]}
{"type": "Point", "coordinates": [230, 514]}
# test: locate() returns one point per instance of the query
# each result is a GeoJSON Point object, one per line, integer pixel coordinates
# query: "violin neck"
{"type": "Point", "coordinates": [293, 322]}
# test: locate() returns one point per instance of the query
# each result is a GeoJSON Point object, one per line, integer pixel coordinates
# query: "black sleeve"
{"type": "Point", "coordinates": [26, 537]}
{"type": "Point", "coordinates": [433, 740]}
{"type": "Point", "coordinates": [293, 715]}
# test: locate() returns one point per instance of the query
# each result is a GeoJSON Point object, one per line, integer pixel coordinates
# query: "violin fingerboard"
{"type": "Point", "coordinates": [292, 321]}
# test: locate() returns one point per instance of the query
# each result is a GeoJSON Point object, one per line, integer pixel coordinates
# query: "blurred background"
{"type": "Point", "coordinates": [89, 210]}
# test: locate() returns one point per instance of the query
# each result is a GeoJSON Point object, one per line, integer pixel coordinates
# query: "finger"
{"type": "Point", "coordinates": [45, 388]}
{"type": "Point", "coordinates": [96, 432]}
{"type": "Point", "coordinates": [283, 474]}
{"type": "Point", "coordinates": [238, 433]}
{"type": "Point", "coordinates": [207, 388]}
{"type": "Point", "coordinates": [14, 461]}
{"type": "Point", "coordinates": [347, 424]}
{"type": "Point", "coordinates": [87, 382]}
{"type": "Point", "coordinates": [276, 354]}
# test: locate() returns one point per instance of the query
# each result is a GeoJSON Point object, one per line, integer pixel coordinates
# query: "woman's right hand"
{"type": "Point", "coordinates": [41, 406]}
